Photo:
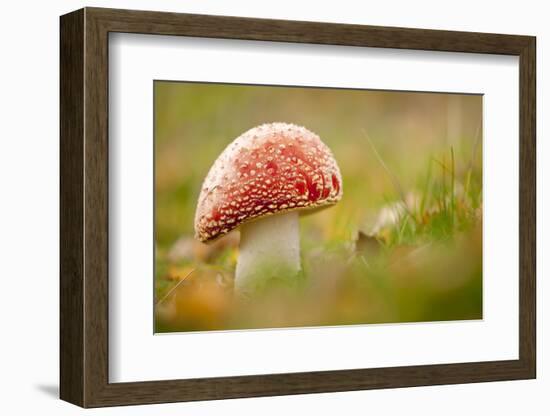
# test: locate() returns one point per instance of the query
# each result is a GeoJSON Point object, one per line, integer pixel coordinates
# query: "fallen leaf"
{"type": "Point", "coordinates": [367, 245]}
{"type": "Point", "coordinates": [187, 248]}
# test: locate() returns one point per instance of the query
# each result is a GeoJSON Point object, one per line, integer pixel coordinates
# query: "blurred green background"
{"type": "Point", "coordinates": [403, 245]}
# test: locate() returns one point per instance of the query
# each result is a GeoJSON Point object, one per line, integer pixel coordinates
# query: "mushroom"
{"type": "Point", "coordinates": [260, 183]}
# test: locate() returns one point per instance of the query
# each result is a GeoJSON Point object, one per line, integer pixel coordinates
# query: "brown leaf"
{"type": "Point", "coordinates": [367, 245]}
{"type": "Point", "coordinates": [187, 248]}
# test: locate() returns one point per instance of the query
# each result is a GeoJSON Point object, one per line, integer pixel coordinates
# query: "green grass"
{"type": "Point", "coordinates": [446, 206]}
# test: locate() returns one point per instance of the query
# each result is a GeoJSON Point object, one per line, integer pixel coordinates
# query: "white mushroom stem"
{"type": "Point", "coordinates": [269, 250]}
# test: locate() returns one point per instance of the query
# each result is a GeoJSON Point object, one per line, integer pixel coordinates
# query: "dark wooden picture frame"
{"type": "Point", "coordinates": [84, 207]}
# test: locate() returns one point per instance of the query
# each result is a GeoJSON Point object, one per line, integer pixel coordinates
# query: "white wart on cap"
{"type": "Point", "coordinates": [270, 169]}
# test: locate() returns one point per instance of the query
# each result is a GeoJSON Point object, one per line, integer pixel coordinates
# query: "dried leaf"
{"type": "Point", "coordinates": [187, 248]}
{"type": "Point", "coordinates": [367, 245]}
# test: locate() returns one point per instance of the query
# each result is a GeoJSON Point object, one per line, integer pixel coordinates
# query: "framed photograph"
{"type": "Point", "coordinates": [254, 207]}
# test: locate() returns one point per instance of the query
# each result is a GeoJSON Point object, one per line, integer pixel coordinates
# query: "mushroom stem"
{"type": "Point", "coordinates": [269, 252]}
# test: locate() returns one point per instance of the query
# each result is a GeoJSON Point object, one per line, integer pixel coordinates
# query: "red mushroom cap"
{"type": "Point", "coordinates": [270, 169]}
